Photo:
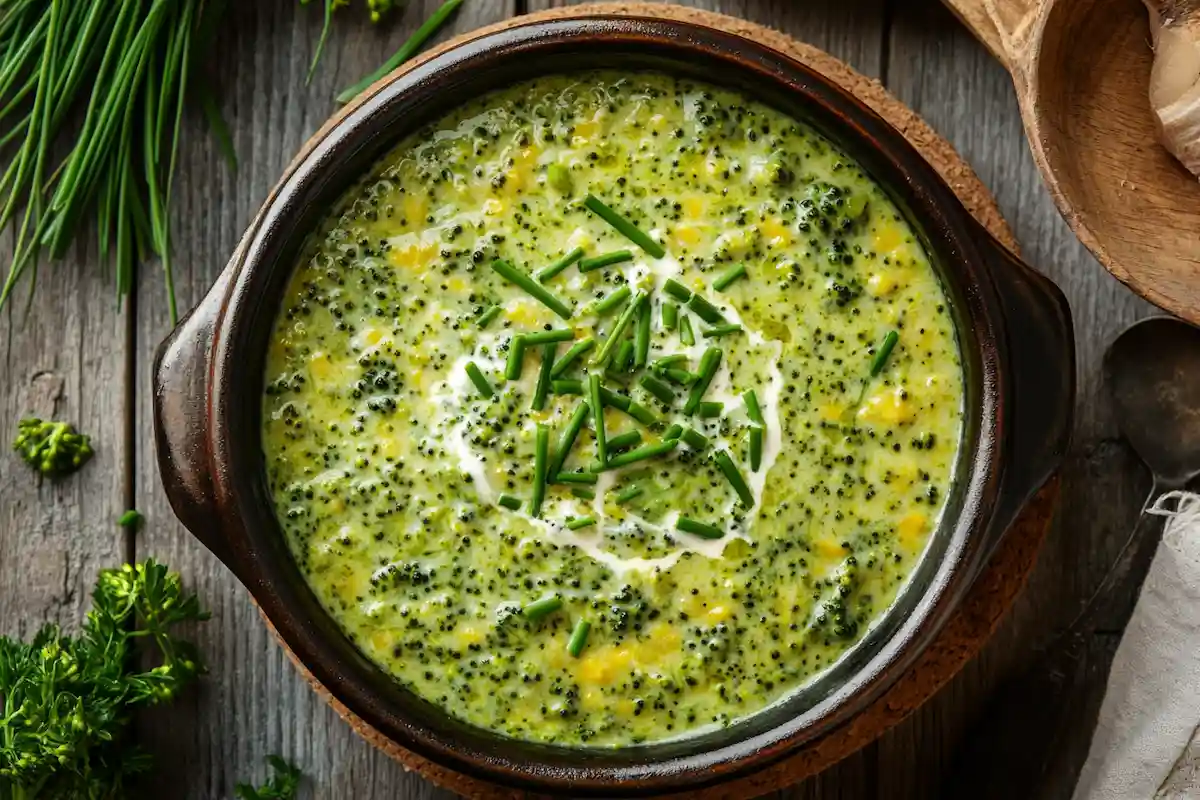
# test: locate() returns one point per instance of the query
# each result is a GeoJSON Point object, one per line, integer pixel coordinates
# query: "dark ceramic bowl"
{"type": "Point", "coordinates": [1014, 332]}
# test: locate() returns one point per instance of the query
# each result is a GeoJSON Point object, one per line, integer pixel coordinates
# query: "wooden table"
{"type": "Point", "coordinates": [79, 356]}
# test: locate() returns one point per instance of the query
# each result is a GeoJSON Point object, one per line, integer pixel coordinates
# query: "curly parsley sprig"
{"type": "Point", "coordinates": [67, 701]}
{"type": "Point", "coordinates": [282, 785]}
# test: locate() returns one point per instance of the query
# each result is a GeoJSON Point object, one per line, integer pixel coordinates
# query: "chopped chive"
{"type": "Point", "coordinates": [670, 316]}
{"type": "Point", "coordinates": [722, 330]}
{"type": "Point", "coordinates": [605, 260]}
{"type": "Point", "coordinates": [666, 362]}
{"type": "Point", "coordinates": [629, 493]}
{"type": "Point", "coordinates": [624, 441]}
{"type": "Point", "coordinates": [583, 493]}
{"type": "Point", "coordinates": [657, 388]}
{"type": "Point", "coordinates": [531, 287]}
{"type": "Point", "coordinates": [706, 310]}
{"type": "Point", "coordinates": [615, 400]}
{"type": "Point", "coordinates": [681, 376]}
{"type": "Point", "coordinates": [571, 356]}
{"type": "Point", "coordinates": [552, 335]}
{"type": "Point", "coordinates": [598, 417]}
{"type": "Point", "coordinates": [673, 432]}
{"type": "Point", "coordinates": [626, 404]}
{"type": "Point", "coordinates": [574, 426]}
{"type": "Point", "coordinates": [575, 523]}
{"type": "Point", "coordinates": [677, 290]}
{"type": "Point", "coordinates": [613, 371]}
{"type": "Point", "coordinates": [509, 502]}
{"type": "Point", "coordinates": [728, 277]}
{"type": "Point", "coordinates": [546, 273]}
{"type": "Point", "coordinates": [540, 458]}
{"type": "Point", "coordinates": [753, 410]}
{"type": "Point", "coordinates": [734, 476]}
{"type": "Point", "coordinates": [685, 331]}
{"type": "Point", "coordinates": [618, 329]}
{"type": "Point", "coordinates": [624, 358]}
{"type": "Point", "coordinates": [579, 636]}
{"type": "Point", "coordinates": [641, 413]}
{"type": "Point", "coordinates": [885, 352]}
{"type": "Point", "coordinates": [642, 453]}
{"type": "Point", "coordinates": [487, 316]}
{"type": "Point", "coordinates": [709, 363]}
{"type": "Point", "coordinates": [624, 227]}
{"type": "Point", "coordinates": [710, 409]}
{"type": "Point", "coordinates": [576, 477]}
{"type": "Point", "coordinates": [481, 382]}
{"type": "Point", "coordinates": [566, 387]}
{"type": "Point", "coordinates": [606, 304]}
{"type": "Point", "coordinates": [756, 447]}
{"type": "Point", "coordinates": [540, 609]}
{"type": "Point", "coordinates": [641, 337]}
{"type": "Point", "coordinates": [516, 358]}
{"type": "Point", "coordinates": [542, 390]}
{"type": "Point", "coordinates": [694, 439]}
{"type": "Point", "coordinates": [689, 525]}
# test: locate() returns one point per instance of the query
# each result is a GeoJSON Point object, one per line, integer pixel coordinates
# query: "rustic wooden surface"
{"type": "Point", "coordinates": [75, 352]}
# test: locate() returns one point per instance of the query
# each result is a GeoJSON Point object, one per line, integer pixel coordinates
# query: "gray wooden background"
{"type": "Point", "coordinates": [76, 354]}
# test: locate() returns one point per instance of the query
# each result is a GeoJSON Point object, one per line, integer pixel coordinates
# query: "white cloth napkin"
{"type": "Point", "coordinates": [1146, 744]}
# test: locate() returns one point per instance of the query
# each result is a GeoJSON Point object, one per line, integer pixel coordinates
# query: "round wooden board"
{"type": "Point", "coordinates": [994, 591]}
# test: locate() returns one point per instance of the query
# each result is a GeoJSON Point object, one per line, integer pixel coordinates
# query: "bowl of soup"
{"type": "Point", "coordinates": [611, 406]}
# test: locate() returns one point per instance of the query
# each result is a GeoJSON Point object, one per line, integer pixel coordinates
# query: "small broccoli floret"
{"type": "Point", "coordinates": [52, 448]}
{"type": "Point", "coordinates": [834, 616]}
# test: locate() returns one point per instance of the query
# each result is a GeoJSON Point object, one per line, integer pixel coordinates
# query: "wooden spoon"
{"type": "Point", "coordinates": [1082, 75]}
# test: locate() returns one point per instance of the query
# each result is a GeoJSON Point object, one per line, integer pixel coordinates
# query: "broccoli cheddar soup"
{"type": "Point", "coordinates": [611, 408]}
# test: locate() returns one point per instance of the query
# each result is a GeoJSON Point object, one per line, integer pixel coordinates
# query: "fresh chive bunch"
{"type": "Point", "coordinates": [113, 77]}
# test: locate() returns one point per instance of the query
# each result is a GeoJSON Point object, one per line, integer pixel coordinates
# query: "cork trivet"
{"type": "Point", "coordinates": [992, 594]}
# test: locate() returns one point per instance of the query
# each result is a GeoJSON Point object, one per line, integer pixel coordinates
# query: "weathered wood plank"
{"type": "Point", "coordinates": [63, 357]}
{"type": "Point", "coordinates": [941, 72]}
{"type": "Point", "coordinates": [852, 30]}
{"type": "Point", "coordinates": [253, 703]}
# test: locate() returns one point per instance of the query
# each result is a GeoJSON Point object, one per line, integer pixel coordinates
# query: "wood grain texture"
{"type": "Point", "coordinates": [62, 356]}
{"type": "Point", "coordinates": [253, 703]}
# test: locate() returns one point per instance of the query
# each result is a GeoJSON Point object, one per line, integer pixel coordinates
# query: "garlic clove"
{"type": "Point", "coordinates": [1175, 77]}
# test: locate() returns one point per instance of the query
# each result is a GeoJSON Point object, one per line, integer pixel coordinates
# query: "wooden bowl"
{"type": "Point", "coordinates": [1082, 75]}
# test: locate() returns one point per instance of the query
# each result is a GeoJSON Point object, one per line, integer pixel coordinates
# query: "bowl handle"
{"type": "Point", "coordinates": [181, 420]}
{"type": "Point", "coordinates": [1041, 394]}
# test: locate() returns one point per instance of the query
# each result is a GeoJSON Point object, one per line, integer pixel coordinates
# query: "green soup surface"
{"type": "Point", "coordinates": [780, 389]}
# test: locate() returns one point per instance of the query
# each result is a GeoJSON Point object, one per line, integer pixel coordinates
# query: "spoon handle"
{"type": "Point", "coordinates": [1020, 735]}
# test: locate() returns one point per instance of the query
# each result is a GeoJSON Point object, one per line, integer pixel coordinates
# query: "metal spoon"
{"type": "Point", "coordinates": [1153, 374]}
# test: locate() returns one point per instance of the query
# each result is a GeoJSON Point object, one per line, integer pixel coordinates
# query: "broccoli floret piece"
{"type": "Point", "coordinates": [834, 615]}
{"type": "Point", "coordinates": [826, 197]}
{"type": "Point", "coordinates": [52, 448]}
{"type": "Point", "coordinates": [778, 171]}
